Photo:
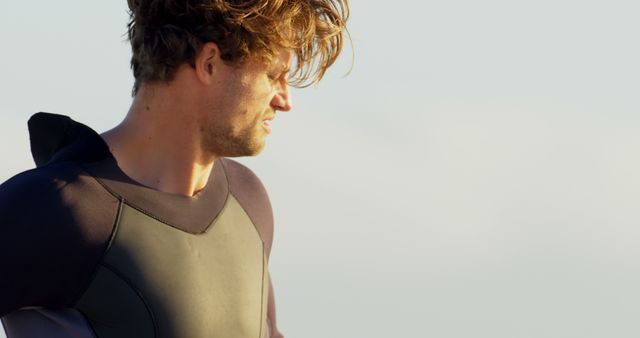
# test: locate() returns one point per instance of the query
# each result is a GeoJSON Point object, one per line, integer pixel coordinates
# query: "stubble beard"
{"type": "Point", "coordinates": [221, 140]}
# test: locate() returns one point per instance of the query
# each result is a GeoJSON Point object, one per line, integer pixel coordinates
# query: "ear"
{"type": "Point", "coordinates": [207, 62]}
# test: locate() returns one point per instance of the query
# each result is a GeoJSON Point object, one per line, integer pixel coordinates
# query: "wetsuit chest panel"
{"type": "Point", "coordinates": [158, 281]}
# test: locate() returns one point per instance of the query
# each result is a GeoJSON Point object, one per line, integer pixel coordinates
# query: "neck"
{"type": "Point", "coordinates": [159, 144]}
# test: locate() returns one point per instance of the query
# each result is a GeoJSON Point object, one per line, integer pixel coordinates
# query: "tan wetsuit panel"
{"type": "Point", "coordinates": [159, 281]}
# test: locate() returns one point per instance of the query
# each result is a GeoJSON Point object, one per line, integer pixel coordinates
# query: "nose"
{"type": "Point", "coordinates": [282, 99]}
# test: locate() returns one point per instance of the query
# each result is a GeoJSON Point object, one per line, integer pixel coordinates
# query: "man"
{"type": "Point", "coordinates": [149, 230]}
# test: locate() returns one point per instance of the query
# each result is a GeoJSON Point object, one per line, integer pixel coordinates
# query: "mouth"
{"type": "Point", "coordinates": [266, 123]}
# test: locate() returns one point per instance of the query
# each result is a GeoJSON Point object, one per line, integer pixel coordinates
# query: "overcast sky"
{"type": "Point", "coordinates": [475, 175]}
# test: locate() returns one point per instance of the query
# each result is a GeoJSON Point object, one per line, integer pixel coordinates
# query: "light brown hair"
{"type": "Point", "coordinates": [165, 34]}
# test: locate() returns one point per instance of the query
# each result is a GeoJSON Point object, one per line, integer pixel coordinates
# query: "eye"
{"type": "Point", "coordinates": [279, 75]}
{"type": "Point", "coordinates": [276, 77]}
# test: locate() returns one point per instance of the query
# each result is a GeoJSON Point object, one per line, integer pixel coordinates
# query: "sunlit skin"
{"type": "Point", "coordinates": [174, 132]}
{"type": "Point", "coordinates": [243, 102]}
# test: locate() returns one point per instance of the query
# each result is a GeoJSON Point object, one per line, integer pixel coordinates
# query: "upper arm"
{"type": "Point", "coordinates": [25, 245]}
{"type": "Point", "coordinates": [253, 197]}
{"type": "Point", "coordinates": [47, 253]}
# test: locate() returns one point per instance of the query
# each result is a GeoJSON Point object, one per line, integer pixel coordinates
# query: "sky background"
{"type": "Point", "coordinates": [475, 175]}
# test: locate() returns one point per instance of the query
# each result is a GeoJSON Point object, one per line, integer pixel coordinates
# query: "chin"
{"type": "Point", "coordinates": [238, 150]}
{"type": "Point", "coordinates": [226, 145]}
{"type": "Point", "coordinates": [256, 151]}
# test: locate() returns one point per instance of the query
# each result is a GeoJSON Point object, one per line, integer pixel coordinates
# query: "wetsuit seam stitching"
{"type": "Point", "coordinates": [262, 314]}
{"type": "Point", "coordinates": [149, 214]}
{"type": "Point", "coordinates": [160, 219]}
{"type": "Point", "coordinates": [104, 185]}
{"type": "Point", "coordinates": [112, 236]}
{"type": "Point", "coordinates": [230, 192]}
{"type": "Point", "coordinates": [253, 223]}
{"type": "Point", "coordinates": [93, 330]}
{"type": "Point", "coordinates": [136, 291]}
{"type": "Point", "coordinates": [215, 218]}
{"type": "Point", "coordinates": [213, 222]}
{"type": "Point", "coordinates": [134, 206]}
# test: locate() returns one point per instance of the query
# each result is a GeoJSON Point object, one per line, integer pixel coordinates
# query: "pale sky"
{"type": "Point", "coordinates": [475, 175]}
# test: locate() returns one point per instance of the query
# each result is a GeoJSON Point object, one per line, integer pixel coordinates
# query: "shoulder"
{"type": "Point", "coordinates": [57, 221]}
{"type": "Point", "coordinates": [35, 187]}
{"type": "Point", "coordinates": [245, 184]}
{"type": "Point", "coordinates": [247, 188]}
{"type": "Point", "coordinates": [48, 188]}
{"type": "Point", "coordinates": [59, 197]}
{"type": "Point", "coordinates": [241, 177]}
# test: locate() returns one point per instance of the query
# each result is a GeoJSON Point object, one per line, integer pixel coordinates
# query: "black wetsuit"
{"type": "Point", "coordinates": [85, 251]}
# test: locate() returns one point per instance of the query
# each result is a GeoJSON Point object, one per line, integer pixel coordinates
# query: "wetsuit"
{"type": "Point", "coordinates": [85, 251]}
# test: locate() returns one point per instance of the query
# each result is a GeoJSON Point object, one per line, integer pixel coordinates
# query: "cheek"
{"type": "Point", "coordinates": [258, 101]}
{"type": "Point", "coordinates": [265, 94]}
{"type": "Point", "coordinates": [249, 98]}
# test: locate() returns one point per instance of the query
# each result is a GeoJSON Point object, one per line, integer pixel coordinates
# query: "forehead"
{"type": "Point", "coordinates": [281, 60]}
{"type": "Point", "coordinates": [278, 62]}
{"type": "Point", "coordinates": [253, 66]}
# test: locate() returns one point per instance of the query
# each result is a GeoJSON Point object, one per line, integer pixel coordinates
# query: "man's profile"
{"type": "Point", "coordinates": [149, 229]}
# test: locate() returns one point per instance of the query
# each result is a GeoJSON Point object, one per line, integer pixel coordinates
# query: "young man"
{"type": "Point", "coordinates": [148, 230]}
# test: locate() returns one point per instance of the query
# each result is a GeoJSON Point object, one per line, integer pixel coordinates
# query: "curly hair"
{"type": "Point", "coordinates": [165, 34]}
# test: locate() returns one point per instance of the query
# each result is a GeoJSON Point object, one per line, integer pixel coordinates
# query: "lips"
{"type": "Point", "coordinates": [266, 125]}
{"type": "Point", "coordinates": [266, 120]}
